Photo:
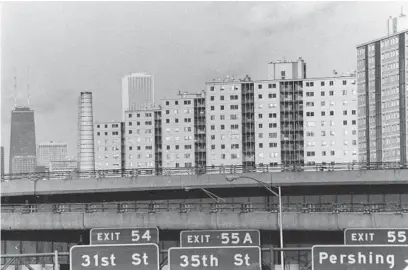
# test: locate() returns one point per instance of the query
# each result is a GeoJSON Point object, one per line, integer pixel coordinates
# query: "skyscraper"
{"type": "Point", "coordinates": [51, 151]}
{"type": "Point", "coordinates": [22, 141]}
{"type": "Point", "coordinates": [137, 92]}
{"type": "Point", "coordinates": [85, 147]}
{"type": "Point", "coordinates": [382, 98]}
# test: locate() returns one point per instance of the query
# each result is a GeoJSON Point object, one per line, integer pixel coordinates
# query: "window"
{"type": "Point", "coordinates": [167, 103]}
{"type": "Point", "coordinates": [323, 113]}
{"type": "Point", "coordinates": [353, 112]}
{"type": "Point", "coordinates": [322, 83]}
{"type": "Point", "coordinates": [259, 125]}
{"type": "Point", "coordinates": [353, 122]}
{"type": "Point", "coordinates": [310, 94]}
{"type": "Point", "coordinates": [235, 146]}
{"type": "Point", "coordinates": [344, 92]}
{"type": "Point", "coordinates": [222, 146]}
{"type": "Point", "coordinates": [323, 133]}
{"type": "Point", "coordinates": [260, 116]}
{"type": "Point", "coordinates": [212, 117]}
{"type": "Point", "coordinates": [331, 83]}
{"type": "Point", "coordinates": [221, 97]}
{"type": "Point", "coordinates": [272, 95]}
{"type": "Point", "coordinates": [222, 107]}
{"type": "Point", "coordinates": [259, 96]}
{"type": "Point", "coordinates": [234, 97]}
{"type": "Point", "coordinates": [187, 146]}
{"type": "Point", "coordinates": [168, 147]}
{"type": "Point", "coordinates": [331, 93]}
{"type": "Point", "coordinates": [234, 156]}
{"type": "Point", "coordinates": [233, 117]}
{"type": "Point", "coordinates": [212, 127]}
{"type": "Point", "coordinates": [212, 108]}
{"type": "Point", "coordinates": [130, 132]}
{"type": "Point", "coordinates": [310, 114]}
{"type": "Point", "coordinates": [331, 113]}
{"type": "Point", "coordinates": [323, 153]}
{"type": "Point", "coordinates": [222, 117]}
{"type": "Point", "coordinates": [234, 126]}
{"type": "Point", "coordinates": [234, 107]}
{"type": "Point", "coordinates": [259, 86]}
{"type": "Point", "coordinates": [273, 135]}
{"type": "Point", "coordinates": [98, 126]}
{"type": "Point", "coordinates": [322, 103]}
{"type": "Point", "coordinates": [272, 115]}
{"type": "Point", "coordinates": [130, 115]}
{"type": "Point", "coordinates": [167, 121]}
{"type": "Point", "coordinates": [310, 154]}
{"type": "Point", "coordinates": [222, 127]}
{"type": "Point", "coordinates": [322, 94]}
{"type": "Point", "coordinates": [222, 156]}
{"type": "Point", "coordinates": [177, 147]}
{"type": "Point", "coordinates": [260, 135]}
{"type": "Point", "coordinates": [106, 126]}
{"type": "Point", "coordinates": [98, 133]}
{"type": "Point", "coordinates": [354, 142]}
{"type": "Point", "coordinates": [345, 112]}
{"type": "Point", "coordinates": [115, 133]}
{"type": "Point", "coordinates": [332, 153]}
{"type": "Point", "coordinates": [176, 102]}
{"type": "Point", "coordinates": [283, 74]}
{"type": "Point", "coordinates": [344, 122]}
{"type": "Point", "coordinates": [273, 145]}
{"type": "Point", "coordinates": [167, 111]}
{"type": "Point", "coordinates": [212, 88]}
{"type": "Point", "coordinates": [344, 82]}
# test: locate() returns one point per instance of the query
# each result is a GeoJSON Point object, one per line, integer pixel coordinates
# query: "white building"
{"type": "Point", "coordinates": [51, 151]}
{"type": "Point", "coordinates": [141, 134]}
{"type": "Point", "coordinates": [137, 92]}
{"type": "Point", "coordinates": [108, 145]}
{"type": "Point", "coordinates": [224, 123]}
{"type": "Point", "coordinates": [330, 120]}
{"type": "Point", "coordinates": [178, 132]}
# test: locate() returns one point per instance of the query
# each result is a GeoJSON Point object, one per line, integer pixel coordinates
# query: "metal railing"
{"type": "Point", "coordinates": [259, 168]}
{"type": "Point", "coordinates": [163, 207]}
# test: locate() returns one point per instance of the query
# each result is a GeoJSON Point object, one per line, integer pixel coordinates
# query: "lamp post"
{"type": "Point", "coordinates": [279, 194]}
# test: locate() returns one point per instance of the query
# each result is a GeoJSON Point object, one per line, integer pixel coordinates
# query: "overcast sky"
{"type": "Point", "coordinates": [70, 47]}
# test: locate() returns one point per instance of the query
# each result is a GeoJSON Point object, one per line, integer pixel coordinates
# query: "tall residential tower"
{"type": "Point", "coordinates": [85, 147]}
{"type": "Point", "coordinates": [382, 99]}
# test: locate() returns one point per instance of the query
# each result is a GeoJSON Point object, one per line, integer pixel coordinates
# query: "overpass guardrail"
{"type": "Point", "coordinates": [230, 169]}
{"type": "Point", "coordinates": [137, 207]}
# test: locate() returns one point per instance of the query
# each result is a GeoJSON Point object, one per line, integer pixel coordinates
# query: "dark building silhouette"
{"type": "Point", "coordinates": [22, 141]}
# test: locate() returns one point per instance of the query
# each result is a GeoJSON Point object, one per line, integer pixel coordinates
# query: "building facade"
{"type": "Point", "coordinates": [108, 145]}
{"type": "Point", "coordinates": [51, 151]}
{"type": "Point", "coordinates": [63, 165]}
{"type": "Point", "coordinates": [284, 121]}
{"type": "Point", "coordinates": [137, 92]}
{"type": "Point", "coordinates": [382, 99]}
{"type": "Point", "coordinates": [183, 124]}
{"type": "Point", "coordinates": [142, 139]}
{"type": "Point", "coordinates": [22, 141]}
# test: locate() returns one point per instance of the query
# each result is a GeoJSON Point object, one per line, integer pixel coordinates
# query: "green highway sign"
{"type": "Point", "coordinates": [115, 257]}
{"type": "Point", "coordinates": [375, 236]}
{"type": "Point", "coordinates": [216, 258]}
{"type": "Point", "coordinates": [103, 236]}
{"type": "Point", "coordinates": [363, 257]}
{"type": "Point", "coordinates": [214, 238]}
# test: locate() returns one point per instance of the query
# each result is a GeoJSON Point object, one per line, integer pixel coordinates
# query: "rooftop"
{"type": "Point", "coordinates": [382, 38]}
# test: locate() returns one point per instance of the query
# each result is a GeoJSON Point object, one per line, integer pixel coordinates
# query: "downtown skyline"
{"type": "Point", "coordinates": [59, 72]}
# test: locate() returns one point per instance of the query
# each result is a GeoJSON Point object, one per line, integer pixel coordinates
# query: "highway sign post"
{"type": "Point", "coordinates": [363, 257]}
{"type": "Point", "coordinates": [213, 238]}
{"type": "Point", "coordinates": [103, 236]}
{"type": "Point", "coordinates": [375, 236]}
{"type": "Point", "coordinates": [115, 257]}
{"type": "Point", "coordinates": [216, 258]}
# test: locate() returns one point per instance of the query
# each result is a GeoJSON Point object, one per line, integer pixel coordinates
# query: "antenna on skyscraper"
{"type": "Point", "coordinates": [28, 87]}
{"type": "Point", "coordinates": [15, 91]}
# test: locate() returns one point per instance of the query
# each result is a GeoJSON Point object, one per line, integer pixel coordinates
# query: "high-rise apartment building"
{"type": "Point", "coordinates": [143, 145]}
{"type": "Point", "coordinates": [382, 98]}
{"type": "Point", "coordinates": [22, 141]}
{"type": "Point", "coordinates": [137, 92]}
{"type": "Point", "coordinates": [289, 121]}
{"type": "Point", "coordinates": [183, 125]}
{"type": "Point", "coordinates": [85, 147]}
{"type": "Point", "coordinates": [51, 151]}
{"type": "Point", "coordinates": [108, 145]}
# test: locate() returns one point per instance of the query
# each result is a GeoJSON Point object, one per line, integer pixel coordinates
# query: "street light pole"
{"type": "Point", "coordinates": [279, 195]}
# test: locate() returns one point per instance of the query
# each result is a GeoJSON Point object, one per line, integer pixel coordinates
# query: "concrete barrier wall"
{"type": "Point", "coordinates": [197, 220]}
{"type": "Point", "coordinates": [92, 185]}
